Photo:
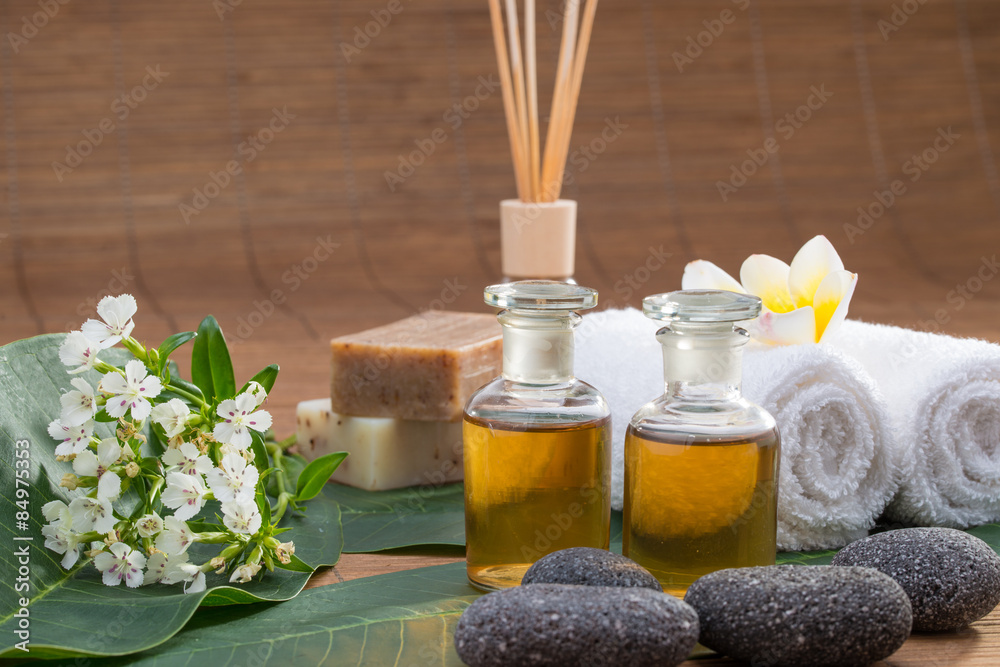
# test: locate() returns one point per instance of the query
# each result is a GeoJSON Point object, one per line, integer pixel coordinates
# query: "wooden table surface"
{"type": "Point", "coordinates": [310, 240]}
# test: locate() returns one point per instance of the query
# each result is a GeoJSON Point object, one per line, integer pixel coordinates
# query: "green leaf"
{"type": "Point", "coordinates": [211, 367]}
{"type": "Point", "coordinates": [73, 613]}
{"type": "Point", "coordinates": [264, 378]}
{"type": "Point", "coordinates": [404, 618]}
{"type": "Point", "coordinates": [293, 465]}
{"type": "Point", "coordinates": [316, 474]}
{"type": "Point", "coordinates": [172, 343]}
{"type": "Point", "coordinates": [381, 520]}
{"type": "Point", "coordinates": [101, 416]}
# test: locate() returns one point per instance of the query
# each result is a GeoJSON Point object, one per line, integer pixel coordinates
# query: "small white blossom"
{"type": "Point", "coordinates": [233, 480]}
{"type": "Point", "coordinates": [92, 514]}
{"type": "Point", "coordinates": [187, 459]}
{"type": "Point", "coordinates": [242, 518]}
{"type": "Point", "coordinates": [87, 464]}
{"type": "Point", "coordinates": [245, 573]}
{"type": "Point", "coordinates": [59, 534]}
{"type": "Point", "coordinates": [78, 405]}
{"type": "Point", "coordinates": [56, 511]}
{"type": "Point", "coordinates": [185, 494]}
{"type": "Point", "coordinates": [238, 417]}
{"type": "Point", "coordinates": [116, 313]}
{"type": "Point", "coordinates": [189, 573]}
{"type": "Point", "coordinates": [149, 525]}
{"type": "Point", "coordinates": [157, 564]}
{"type": "Point", "coordinates": [123, 562]}
{"type": "Point", "coordinates": [257, 391]}
{"type": "Point", "coordinates": [72, 439]}
{"type": "Point", "coordinates": [175, 538]}
{"type": "Point", "coordinates": [77, 350]}
{"type": "Point", "coordinates": [172, 416]}
{"type": "Point", "coordinates": [131, 392]}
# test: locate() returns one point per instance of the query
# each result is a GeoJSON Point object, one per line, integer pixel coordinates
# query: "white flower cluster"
{"type": "Point", "coordinates": [156, 548]}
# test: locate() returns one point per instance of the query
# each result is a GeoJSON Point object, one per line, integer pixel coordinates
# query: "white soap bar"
{"type": "Point", "coordinates": [385, 453]}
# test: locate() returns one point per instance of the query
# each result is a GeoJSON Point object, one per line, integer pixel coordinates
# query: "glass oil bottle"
{"type": "Point", "coordinates": [537, 441]}
{"type": "Point", "coordinates": [701, 461]}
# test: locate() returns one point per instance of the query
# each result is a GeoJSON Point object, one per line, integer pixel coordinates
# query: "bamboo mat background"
{"type": "Point", "coordinates": [113, 223]}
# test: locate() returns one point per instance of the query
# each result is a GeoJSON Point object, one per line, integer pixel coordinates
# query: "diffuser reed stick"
{"type": "Point", "coordinates": [538, 174]}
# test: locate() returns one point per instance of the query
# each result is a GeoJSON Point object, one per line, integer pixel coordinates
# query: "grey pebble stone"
{"type": "Point", "coordinates": [794, 615]}
{"type": "Point", "coordinates": [560, 624]}
{"type": "Point", "coordinates": [587, 566]}
{"type": "Point", "coordinates": [952, 578]}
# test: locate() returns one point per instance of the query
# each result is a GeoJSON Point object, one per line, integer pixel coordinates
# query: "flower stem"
{"type": "Point", "coordinates": [276, 450]}
{"type": "Point", "coordinates": [186, 394]}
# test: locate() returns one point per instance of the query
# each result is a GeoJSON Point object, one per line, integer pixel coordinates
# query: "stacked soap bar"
{"type": "Point", "coordinates": [386, 453]}
{"type": "Point", "coordinates": [424, 367]}
{"type": "Point", "coordinates": [397, 396]}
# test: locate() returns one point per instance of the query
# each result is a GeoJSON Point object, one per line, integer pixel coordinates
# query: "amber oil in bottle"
{"type": "Point", "coordinates": [701, 461]}
{"type": "Point", "coordinates": [537, 441]}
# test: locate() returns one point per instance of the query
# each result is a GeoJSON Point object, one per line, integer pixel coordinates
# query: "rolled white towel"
{"type": "Point", "coordinates": [943, 395]}
{"type": "Point", "coordinates": [839, 465]}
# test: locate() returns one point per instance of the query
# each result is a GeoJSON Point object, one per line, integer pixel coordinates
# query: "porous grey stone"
{"type": "Point", "coordinates": [561, 624]}
{"type": "Point", "coordinates": [952, 578]}
{"type": "Point", "coordinates": [793, 615]}
{"type": "Point", "coordinates": [586, 566]}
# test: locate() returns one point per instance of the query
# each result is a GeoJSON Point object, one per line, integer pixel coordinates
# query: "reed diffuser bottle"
{"type": "Point", "coordinates": [538, 229]}
{"type": "Point", "coordinates": [701, 461]}
{"type": "Point", "coordinates": [537, 441]}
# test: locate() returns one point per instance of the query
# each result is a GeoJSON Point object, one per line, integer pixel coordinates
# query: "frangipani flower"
{"type": "Point", "coordinates": [239, 417]}
{"type": "Point", "coordinates": [131, 392]}
{"type": "Point", "coordinates": [123, 562]}
{"type": "Point", "coordinates": [802, 303]}
{"type": "Point", "coordinates": [172, 416]}
{"type": "Point", "coordinates": [78, 350]}
{"type": "Point", "coordinates": [116, 313]}
{"type": "Point", "coordinates": [87, 464]}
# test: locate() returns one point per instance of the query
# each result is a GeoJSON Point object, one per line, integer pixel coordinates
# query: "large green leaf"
{"type": "Point", "coordinates": [431, 516]}
{"type": "Point", "coordinates": [404, 618]}
{"type": "Point", "coordinates": [73, 613]}
{"type": "Point", "coordinates": [381, 520]}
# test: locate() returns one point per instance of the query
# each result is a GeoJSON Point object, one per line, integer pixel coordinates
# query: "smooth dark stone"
{"type": "Point", "coordinates": [952, 578]}
{"type": "Point", "coordinates": [586, 566]}
{"type": "Point", "coordinates": [794, 615]}
{"type": "Point", "coordinates": [560, 624]}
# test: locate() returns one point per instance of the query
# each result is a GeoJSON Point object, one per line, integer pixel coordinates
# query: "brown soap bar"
{"type": "Point", "coordinates": [424, 367]}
